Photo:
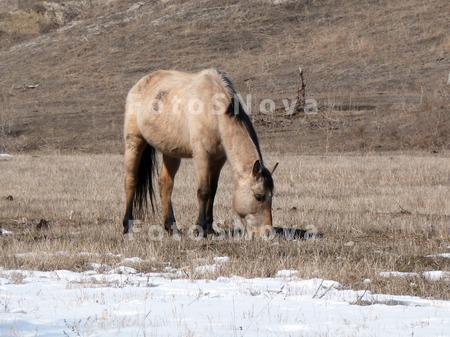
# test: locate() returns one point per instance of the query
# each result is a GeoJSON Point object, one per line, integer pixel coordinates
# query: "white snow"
{"type": "Point", "coordinates": [221, 259]}
{"type": "Point", "coordinates": [437, 275]}
{"type": "Point", "coordinates": [397, 274]}
{"type": "Point", "coordinates": [123, 302]}
{"type": "Point", "coordinates": [433, 275]}
{"type": "Point", "coordinates": [444, 255]}
{"type": "Point", "coordinates": [89, 254]}
{"type": "Point", "coordinates": [5, 155]}
{"type": "Point", "coordinates": [286, 273]}
{"type": "Point", "coordinates": [132, 260]}
{"type": "Point", "coordinates": [207, 269]}
{"type": "Point", "coordinates": [5, 232]}
{"type": "Point", "coordinates": [123, 270]}
{"type": "Point", "coordinates": [95, 266]}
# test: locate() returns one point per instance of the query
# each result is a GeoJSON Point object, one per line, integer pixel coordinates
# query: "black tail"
{"type": "Point", "coordinates": [147, 169]}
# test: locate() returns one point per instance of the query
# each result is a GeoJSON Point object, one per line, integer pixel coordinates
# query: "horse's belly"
{"type": "Point", "coordinates": [175, 151]}
{"type": "Point", "coordinates": [174, 145]}
{"type": "Point", "coordinates": [176, 135]}
{"type": "Point", "coordinates": [166, 138]}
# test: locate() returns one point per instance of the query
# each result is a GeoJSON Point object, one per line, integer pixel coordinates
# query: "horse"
{"type": "Point", "coordinates": [199, 116]}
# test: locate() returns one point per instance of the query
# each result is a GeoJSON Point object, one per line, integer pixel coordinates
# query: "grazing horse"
{"type": "Point", "coordinates": [199, 116]}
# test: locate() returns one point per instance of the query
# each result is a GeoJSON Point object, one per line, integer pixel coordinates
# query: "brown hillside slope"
{"type": "Point", "coordinates": [378, 68]}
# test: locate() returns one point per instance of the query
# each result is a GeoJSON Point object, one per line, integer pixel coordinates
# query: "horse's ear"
{"type": "Point", "coordinates": [256, 168]}
{"type": "Point", "coordinates": [273, 168]}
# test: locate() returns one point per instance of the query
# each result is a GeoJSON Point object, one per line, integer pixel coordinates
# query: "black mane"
{"type": "Point", "coordinates": [236, 110]}
{"type": "Point", "coordinates": [266, 176]}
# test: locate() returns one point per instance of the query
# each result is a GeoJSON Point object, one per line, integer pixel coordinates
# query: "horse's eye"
{"type": "Point", "coordinates": [259, 197]}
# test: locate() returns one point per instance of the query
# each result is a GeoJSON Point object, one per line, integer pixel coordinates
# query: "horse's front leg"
{"type": "Point", "coordinates": [213, 183]}
{"type": "Point", "coordinates": [202, 171]}
{"type": "Point", "coordinates": [203, 193]}
{"type": "Point", "coordinates": [166, 179]}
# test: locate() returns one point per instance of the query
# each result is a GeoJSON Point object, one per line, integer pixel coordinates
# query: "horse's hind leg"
{"type": "Point", "coordinates": [166, 178]}
{"type": "Point", "coordinates": [134, 147]}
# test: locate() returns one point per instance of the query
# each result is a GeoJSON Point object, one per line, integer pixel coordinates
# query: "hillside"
{"type": "Point", "coordinates": [378, 69]}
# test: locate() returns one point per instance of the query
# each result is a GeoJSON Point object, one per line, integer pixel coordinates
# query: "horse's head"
{"type": "Point", "coordinates": [253, 199]}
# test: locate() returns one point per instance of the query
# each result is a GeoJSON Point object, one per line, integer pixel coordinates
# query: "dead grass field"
{"type": "Point", "coordinates": [377, 213]}
{"type": "Point", "coordinates": [66, 66]}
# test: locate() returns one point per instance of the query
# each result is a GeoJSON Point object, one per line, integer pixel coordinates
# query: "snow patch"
{"type": "Point", "coordinates": [133, 260]}
{"type": "Point", "coordinates": [97, 267]}
{"type": "Point", "coordinates": [434, 275]}
{"type": "Point", "coordinates": [221, 259]}
{"type": "Point", "coordinates": [207, 269]}
{"type": "Point", "coordinates": [397, 274]}
{"type": "Point", "coordinates": [294, 327]}
{"type": "Point", "coordinates": [437, 275]}
{"type": "Point", "coordinates": [444, 255]}
{"type": "Point", "coordinates": [6, 232]}
{"type": "Point", "coordinates": [171, 273]}
{"type": "Point", "coordinates": [68, 303]}
{"type": "Point", "coordinates": [115, 256]}
{"type": "Point", "coordinates": [89, 254]}
{"type": "Point", "coordinates": [286, 273]}
{"type": "Point", "coordinates": [123, 270]}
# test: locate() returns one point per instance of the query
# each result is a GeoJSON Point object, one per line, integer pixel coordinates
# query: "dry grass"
{"type": "Point", "coordinates": [341, 127]}
{"type": "Point", "coordinates": [378, 213]}
{"type": "Point", "coordinates": [22, 20]}
{"type": "Point", "coordinates": [389, 56]}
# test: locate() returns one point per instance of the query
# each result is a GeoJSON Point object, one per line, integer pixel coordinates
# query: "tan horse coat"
{"type": "Point", "coordinates": [193, 115]}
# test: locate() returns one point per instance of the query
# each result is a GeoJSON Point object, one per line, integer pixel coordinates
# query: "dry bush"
{"type": "Point", "coordinates": [377, 213]}
{"type": "Point", "coordinates": [340, 126]}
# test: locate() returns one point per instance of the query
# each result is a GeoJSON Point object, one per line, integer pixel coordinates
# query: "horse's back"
{"type": "Point", "coordinates": [171, 110]}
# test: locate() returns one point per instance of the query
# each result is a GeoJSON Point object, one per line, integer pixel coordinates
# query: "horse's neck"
{"type": "Point", "coordinates": [239, 147]}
